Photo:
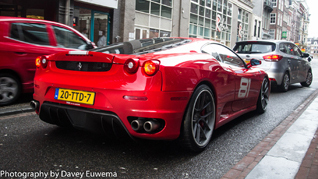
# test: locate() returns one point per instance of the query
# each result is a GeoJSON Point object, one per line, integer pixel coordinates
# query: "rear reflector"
{"type": "Point", "coordinates": [138, 98]}
{"type": "Point", "coordinates": [272, 58]}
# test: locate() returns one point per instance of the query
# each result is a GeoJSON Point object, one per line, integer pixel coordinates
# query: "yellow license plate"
{"type": "Point", "coordinates": [76, 96]}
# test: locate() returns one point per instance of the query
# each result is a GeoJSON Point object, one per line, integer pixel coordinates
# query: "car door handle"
{"type": "Point", "coordinates": [247, 56]}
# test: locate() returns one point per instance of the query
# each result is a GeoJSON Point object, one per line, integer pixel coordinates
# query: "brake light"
{"type": "Point", "coordinates": [151, 67]}
{"type": "Point", "coordinates": [131, 66]}
{"type": "Point", "coordinates": [41, 61]}
{"type": "Point", "coordinates": [272, 58]}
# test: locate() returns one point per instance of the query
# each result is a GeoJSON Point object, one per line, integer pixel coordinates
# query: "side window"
{"type": "Point", "coordinates": [224, 54]}
{"type": "Point", "coordinates": [68, 39]}
{"type": "Point", "coordinates": [289, 49]}
{"type": "Point", "coordinates": [296, 51]}
{"type": "Point", "coordinates": [210, 49]}
{"type": "Point", "coordinates": [30, 32]}
{"type": "Point", "coordinates": [283, 48]}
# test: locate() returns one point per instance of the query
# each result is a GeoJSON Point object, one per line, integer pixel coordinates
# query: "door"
{"type": "Point", "coordinates": [302, 62]}
{"type": "Point", "coordinates": [101, 29]}
{"type": "Point", "coordinates": [293, 62]}
{"type": "Point", "coordinates": [240, 80]}
{"type": "Point", "coordinates": [26, 42]}
{"type": "Point", "coordinates": [246, 82]}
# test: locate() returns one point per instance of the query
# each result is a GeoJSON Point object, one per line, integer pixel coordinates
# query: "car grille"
{"type": "Point", "coordinates": [83, 66]}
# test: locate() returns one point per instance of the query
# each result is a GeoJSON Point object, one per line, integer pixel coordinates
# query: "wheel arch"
{"type": "Point", "coordinates": [12, 72]}
{"type": "Point", "coordinates": [203, 82]}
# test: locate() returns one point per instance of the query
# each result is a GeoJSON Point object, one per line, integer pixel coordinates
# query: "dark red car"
{"type": "Point", "coordinates": [163, 89]}
{"type": "Point", "coordinates": [21, 41]}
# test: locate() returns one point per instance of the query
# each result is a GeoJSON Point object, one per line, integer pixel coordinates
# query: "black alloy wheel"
{"type": "Point", "coordinates": [199, 120]}
{"type": "Point", "coordinates": [263, 97]}
{"type": "Point", "coordinates": [285, 83]}
{"type": "Point", "coordinates": [308, 81]}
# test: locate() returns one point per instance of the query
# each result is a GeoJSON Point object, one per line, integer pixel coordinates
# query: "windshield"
{"type": "Point", "coordinates": [254, 47]}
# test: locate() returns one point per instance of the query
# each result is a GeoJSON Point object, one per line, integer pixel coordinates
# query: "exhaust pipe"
{"type": "Point", "coordinates": [136, 125]}
{"type": "Point", "coordinates": [151, 126]}
{"type": "Point", "coordinates": [34, 105]}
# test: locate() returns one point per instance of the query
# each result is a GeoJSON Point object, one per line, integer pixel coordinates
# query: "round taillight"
{"type": "Point", "coordinates": [41, 61]}
{"type": "Point", "coordinates": [44, 62]}
{"type": "Point", "coordinates": [151, 67]}
{"type": "Point", "coordinates": [131, 66]}
{"type": "Point", "coordinates": [38, 62]}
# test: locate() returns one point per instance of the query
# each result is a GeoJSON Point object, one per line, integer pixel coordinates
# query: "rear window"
{"type": "Point", "coordinates": [254, 47]}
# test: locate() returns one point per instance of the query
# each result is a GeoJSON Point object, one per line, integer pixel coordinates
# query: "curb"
{"type": "Point", "coordinates": [246, 165]}
{"type": "Point", "coordinates": [16, 111]}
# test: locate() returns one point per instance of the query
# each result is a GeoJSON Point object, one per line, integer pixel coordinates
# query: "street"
{"type": "Point", "coordinates": [29, 145]}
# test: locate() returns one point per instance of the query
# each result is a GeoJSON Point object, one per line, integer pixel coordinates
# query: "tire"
{"type": "Point", "coordinates": [10, 89]}
{"type": "Point", "coordinates": [308, 81]}
{"type": "Point", "coordinates": [199, 120]}
{"type": "Point", "coordinates": [263, 97]}
{"type": "Point", "coordinates": [285, 83]}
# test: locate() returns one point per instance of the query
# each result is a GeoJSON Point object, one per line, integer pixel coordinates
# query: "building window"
{"type": "Point", "coordinates": [266, 21]}
{"type": "Point", "coordinates": [240, 14]}
{"type": "Point", "coordinates": [243, 26]}
{"type": "Point", "coordinates": [272, 33]}
{"type": "Point", "coordinates": [161, 8]}
{"type": "Point", "coordinates": [259, 29]}
{"type": "Point", "coordinates": [211, 20]}
{"type": "Point", "coordinates": [273, 18]}
{"type": "Point", "coordinates": [255, 27]}
{"type": "Point", "coordinates": [142, 5]}
{"type": "Point", "coordinates": [274, 2]}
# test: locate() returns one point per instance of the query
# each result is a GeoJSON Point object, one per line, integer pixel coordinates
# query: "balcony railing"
{"type": "Point", "coordinates": [268, 5]}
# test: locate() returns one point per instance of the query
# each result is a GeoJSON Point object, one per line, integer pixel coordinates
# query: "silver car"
{"type": "Point", "coordinates": [282, 60]}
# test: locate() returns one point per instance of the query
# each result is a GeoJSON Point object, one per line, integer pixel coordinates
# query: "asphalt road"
{"type": "Point", "coordinates": [29, 145]}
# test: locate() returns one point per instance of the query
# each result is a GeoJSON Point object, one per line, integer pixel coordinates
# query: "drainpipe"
{"type": "Point", "coordinates": [67, 12]}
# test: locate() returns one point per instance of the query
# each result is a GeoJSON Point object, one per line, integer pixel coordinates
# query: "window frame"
{"type": "Point", "coordinates": [21, 34]}
{"type": "Point", "coordinates": [274, 3]}
{"type": "Point", "coordinates": [270, 18]}
{"type": "Point", "coordinates": [222, 61]}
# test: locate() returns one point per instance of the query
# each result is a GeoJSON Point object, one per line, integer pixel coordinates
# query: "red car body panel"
{"type": "Point", "coordinates": [17, 57]}
{"type": "Point", "coordinates": [167, 92]}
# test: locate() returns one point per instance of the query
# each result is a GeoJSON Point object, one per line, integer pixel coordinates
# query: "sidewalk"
{"type": "Point", "coordinates": [289, 151]}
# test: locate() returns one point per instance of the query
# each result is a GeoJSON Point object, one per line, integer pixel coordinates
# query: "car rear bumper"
{"type": "Point", "coordinates": [112, 110]}
{"type": "Point", "coordinates": [275, 78]}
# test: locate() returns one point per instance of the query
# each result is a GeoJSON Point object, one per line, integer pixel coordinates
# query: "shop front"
{"type": "Point", "coordinates": [90, 17]}
{"type": "Point", "coordinates": [93, 19]}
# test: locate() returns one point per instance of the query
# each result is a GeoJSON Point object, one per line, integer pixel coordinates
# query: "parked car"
{"type": "Point", "coordinates": [162, 89]}
{"type": "Point", "coordinates": [21, 41]}
{"type": "Point", "coordinates": [283, 61]}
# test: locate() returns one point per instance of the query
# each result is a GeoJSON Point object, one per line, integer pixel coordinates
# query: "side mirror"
{"type": "Point", "coordinates": [309, 59]}
{"type": "Point", "coordinates": [304, 55]}
{"type": "Point", "coordinates": [89, 46]}
{"type": "Point", "coordinates": [253, 62]}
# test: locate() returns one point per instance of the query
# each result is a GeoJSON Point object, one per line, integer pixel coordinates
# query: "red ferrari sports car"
{"type": "Point", "coordinates": [162, 88]}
